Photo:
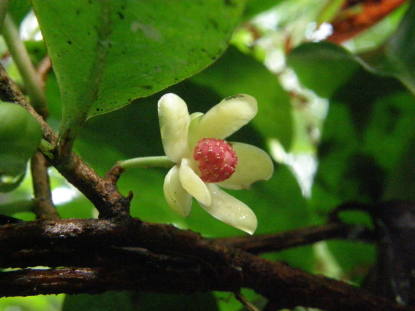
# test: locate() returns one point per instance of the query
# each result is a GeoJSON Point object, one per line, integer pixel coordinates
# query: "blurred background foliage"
{"type": "Point", "coordinates": [335, 114]}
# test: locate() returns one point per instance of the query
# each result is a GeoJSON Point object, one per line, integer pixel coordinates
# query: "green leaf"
{"type": "Point", "coordinates": [367, 131]}
{"type": "Point", "coordinates": [162, 302]}
{"type": "Point", "coordinates": [236, 73]}
{"type": "Point", "coordinates": [20, 135]}
{"type": "Point", "coordinates": [32, 303]}
{"type": "Point", "coordinates": [322, 67]}
{"type": "Point", "coordinates": [255, 7]}
{"type": "Point", "coordinates": [395, 57]}
{"type": "Point", "coordinates": [401, 180]}
{"type": "Point", "coordinates": [108, 301]}
{"type": "Point", "coordinates": [106, 53]}
{"type": "Point", "coordinates": [18, 9]}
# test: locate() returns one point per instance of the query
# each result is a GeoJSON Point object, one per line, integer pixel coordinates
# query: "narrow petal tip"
{"type": "Point", "coordinates": [179, 200]}
{"type": "Point", "coordinates": [254, 164]}
{"type": "Point", "coordinates": [193, 184]}
{"type": "Point", "coordinates": [225, 118]}
{"type": "Point", "coordinates": [230, 210]}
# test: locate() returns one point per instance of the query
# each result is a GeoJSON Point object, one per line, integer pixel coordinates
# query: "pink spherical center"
{"type": "Point", "coordinates": [217, 159]}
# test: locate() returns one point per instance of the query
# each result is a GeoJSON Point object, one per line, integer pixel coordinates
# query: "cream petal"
{"type": "Point", "coordinates": [174, 123]}
{"type": "Point", "coordinates": [254, 164]}
{"type": "Point", "coordinates": [230, 210]}
{"type": "Point", "coordinates": [227, 117]}
{"type": "Point", "coordinates": [195, 119]}
{"type": "Point", "coordinates": [192, 183]}
{"type": "Point", "coordinates": [179, 200]}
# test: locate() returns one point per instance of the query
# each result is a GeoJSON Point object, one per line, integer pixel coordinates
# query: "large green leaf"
{"type": "Point", "coordinates": [106, 53]}
{"type": "Point", "coordinates": [401, 181]}
{"type": "Point", "coordinates": [236, 73]}
{"type": "Point", "coordinates": [322, 67]}
{"type": "Point", "coordinates": [396, 57]}
{"type": "Point", "coordinates": [18, 9]}
{"type": "Point", "coordinates": [255, 7]}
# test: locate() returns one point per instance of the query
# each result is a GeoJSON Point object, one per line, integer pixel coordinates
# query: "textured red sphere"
{"type": "Point", "coordinates": [217, 159]}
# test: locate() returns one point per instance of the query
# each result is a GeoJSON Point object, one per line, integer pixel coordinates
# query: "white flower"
{"type": "Point", "coordinates": [204, 161]}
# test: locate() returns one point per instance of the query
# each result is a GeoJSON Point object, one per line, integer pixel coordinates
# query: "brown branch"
{"type": "Point", "coordinates": [298, 237]}
{"type": "Point", "coordinates": [102, 193]}
{"type": "Point", "coordinates": [102, 255]}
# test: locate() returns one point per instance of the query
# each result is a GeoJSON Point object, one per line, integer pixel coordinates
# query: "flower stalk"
{"type": "Point", "coordinates": [146, 162]}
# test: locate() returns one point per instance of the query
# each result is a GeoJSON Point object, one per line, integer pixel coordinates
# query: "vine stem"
{"type": "Point", "coordinates": [24, 64]}
{"type": "Point", "coordinates": [4, 5]}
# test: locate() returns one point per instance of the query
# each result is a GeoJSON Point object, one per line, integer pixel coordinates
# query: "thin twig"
{"type": "Point", "coordinates": [246, 303]}
{"type": "Point", "coordinates": [305, 236]}
{"type": "Point", "coordinates": [44, 207]}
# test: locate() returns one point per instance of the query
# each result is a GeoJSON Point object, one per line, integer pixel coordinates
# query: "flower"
{"type": "Point", "coordinates": [204, 161]}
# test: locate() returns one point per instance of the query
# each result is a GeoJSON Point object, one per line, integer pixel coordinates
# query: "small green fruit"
{"type": "Point", "coordinates": [20, 136]}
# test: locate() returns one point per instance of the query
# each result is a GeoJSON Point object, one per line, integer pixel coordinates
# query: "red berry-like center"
{"type": "Point", "coordinates": [217, 159]}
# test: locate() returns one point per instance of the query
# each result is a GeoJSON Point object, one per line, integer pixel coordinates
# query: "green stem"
{"type": "Point", "coordinates": [47, 149]}
{"type": "Point", "coordinates": [146, 162]}
{"type": "Point", "coordinates": [22, 59]}
{"type": "Point", "coordinates": [4, 6]}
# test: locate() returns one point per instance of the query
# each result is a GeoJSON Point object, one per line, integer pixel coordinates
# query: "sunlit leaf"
{"type": "Point", "coordinates": [32, 303]}
{"type": "Point", "coordinates": [254, 7]}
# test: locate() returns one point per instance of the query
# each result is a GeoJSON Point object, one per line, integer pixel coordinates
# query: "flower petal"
{"type": "Point", "coordinates": [195, 119]}
{"type": "Point", "coordinates": [174, 123]}
{"type": "Point", "coordinates": [254, 164]}
{"type": "Point", "coordinates": [179, 200]}
{"type": "Point", "coordinates": [227, 117]}
{"type": "Point", "coordinates": [230, 210]}
{"type": "Point", "coordinates": [193, 184]}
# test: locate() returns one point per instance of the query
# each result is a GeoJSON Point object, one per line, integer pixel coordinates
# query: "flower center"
{"type": "Point", "coordinates": [217, 159]}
